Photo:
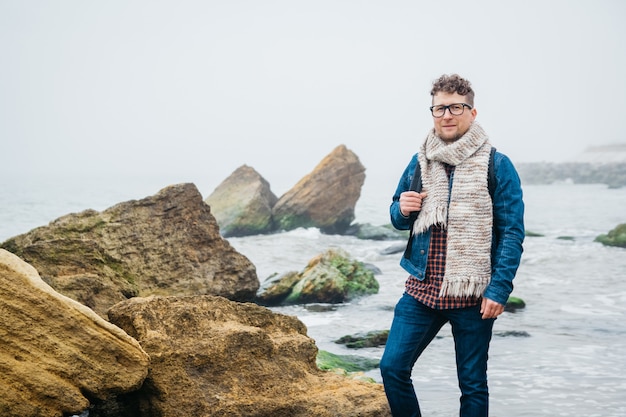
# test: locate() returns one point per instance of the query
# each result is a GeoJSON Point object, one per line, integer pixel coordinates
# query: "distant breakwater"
{"type": "Point", "coordinates": [611, 174]}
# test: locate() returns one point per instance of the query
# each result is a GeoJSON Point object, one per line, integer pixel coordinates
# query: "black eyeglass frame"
{"type": "Point", "coordinates": [449, 108]}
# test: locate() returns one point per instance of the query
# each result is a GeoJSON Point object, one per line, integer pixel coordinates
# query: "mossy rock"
{"type": "Point", "coordinates": [370, 339]}
{"type": "Point", "coordinates": [327, 361]}
{"type": "Point", "coordinates": [293, 221]}
{"type": "Point", "coordinates": [333, 277]}
{"type": "Point", "coordinates": [276, 288]}
{"type": "Point", "coordinates": [513, 304]}
{"type": "Point", "coordinates": [616, 237]}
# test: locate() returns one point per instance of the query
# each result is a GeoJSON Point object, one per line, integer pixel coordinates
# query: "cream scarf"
{"type": "Point", "coordinates": [468, 216]}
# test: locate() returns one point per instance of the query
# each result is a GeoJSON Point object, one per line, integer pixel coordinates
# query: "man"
{"type": "Point", "coordinates": [463, 254]}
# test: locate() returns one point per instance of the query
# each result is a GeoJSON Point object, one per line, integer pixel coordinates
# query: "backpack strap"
{"type": "Point", "coordinates": [491, 173]}
{"type": "Point", "coordinates": [416, 185]}
{"type": "Point", "coordinates": [416, 181]}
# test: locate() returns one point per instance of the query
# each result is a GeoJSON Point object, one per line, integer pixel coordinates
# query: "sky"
{"type": "Point", "coordinates": [196, 89]}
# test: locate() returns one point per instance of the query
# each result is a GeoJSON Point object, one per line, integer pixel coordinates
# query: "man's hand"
{"type": "Point", "coordinates": [411, 201]}
{"type": "Point", "coordinates": [490, 309]}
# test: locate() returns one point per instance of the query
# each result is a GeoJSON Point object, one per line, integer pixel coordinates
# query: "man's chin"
{"type": "Point", "coordinates": [449, 139]}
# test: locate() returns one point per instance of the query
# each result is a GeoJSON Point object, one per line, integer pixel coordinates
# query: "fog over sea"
{"type": "Point", "coordinates": [571, 364]}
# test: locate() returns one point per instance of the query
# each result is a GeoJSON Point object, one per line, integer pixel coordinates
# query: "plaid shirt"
{"type": "Point", "coordinates": [427, 291]}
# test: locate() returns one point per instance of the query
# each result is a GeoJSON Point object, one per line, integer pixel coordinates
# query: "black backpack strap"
{"type": "Point", "coordinates": [416, 185]}
{"type": "Point", "coordinates": [416, 181]}
{"type": "Point", "coordinates": [491, 173]}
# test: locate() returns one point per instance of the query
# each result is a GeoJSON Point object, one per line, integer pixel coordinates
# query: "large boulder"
{"type": "Point", "coordinates": [166, 244]}
{"type": "Point", "coordinates": [331, 277]}
{"type": "Point", "coordinates": [242, 204]}
{"type": "Point", "coordinates": [214, 357]}
{"type": "Point", "coordinates": [326, 197]}
{"type": "Point", "coordinates": [56, 355]}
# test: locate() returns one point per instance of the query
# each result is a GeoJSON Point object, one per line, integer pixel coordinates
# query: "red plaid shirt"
{"type": "Point", "coordinates": [427, 291]}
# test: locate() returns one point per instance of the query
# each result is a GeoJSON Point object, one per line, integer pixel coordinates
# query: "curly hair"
{"type": "Point", "coordinates": [454, 83]}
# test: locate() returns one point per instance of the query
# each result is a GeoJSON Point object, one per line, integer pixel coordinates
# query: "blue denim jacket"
{"type": "Point", "coordinates": [508, 229]}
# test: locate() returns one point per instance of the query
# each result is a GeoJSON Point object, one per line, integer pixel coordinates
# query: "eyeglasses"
{"type": "Point", "coordinates": [456, 109]}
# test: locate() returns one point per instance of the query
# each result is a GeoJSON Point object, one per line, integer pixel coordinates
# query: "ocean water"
{"type": "Point", "coordinates": [572, 363]}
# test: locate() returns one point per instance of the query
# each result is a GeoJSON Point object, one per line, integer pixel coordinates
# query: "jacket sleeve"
{"type": "Point", "coordinates": [399, 221]}
{"type": "Point", "coordinates": [508, 230]}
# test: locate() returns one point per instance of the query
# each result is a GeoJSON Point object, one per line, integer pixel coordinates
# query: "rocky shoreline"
{"type": "Point", "coordinates": [145, 309]}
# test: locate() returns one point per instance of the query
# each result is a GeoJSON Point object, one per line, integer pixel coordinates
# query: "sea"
{"type": "Point", "coordinates": [564, 354]}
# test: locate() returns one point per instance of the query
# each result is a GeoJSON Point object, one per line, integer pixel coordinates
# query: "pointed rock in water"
{"type": "Point", "coordinates": [214, 357]}
{"type": "Point", "coordinates": [56, 355]}
{"type": "Point", "coordinates": [242, 204]}
{"type": "Point", "coordinates": [166, 244]}
{"type": "Point", "coordinates": [326, 197]}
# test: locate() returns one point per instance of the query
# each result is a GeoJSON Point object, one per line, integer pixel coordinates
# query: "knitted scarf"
{"type": "Point", "coordinates": [466, 212]}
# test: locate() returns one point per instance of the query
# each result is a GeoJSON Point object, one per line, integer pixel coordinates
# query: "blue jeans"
{"type": "Point", "coordinates": [414, 327]}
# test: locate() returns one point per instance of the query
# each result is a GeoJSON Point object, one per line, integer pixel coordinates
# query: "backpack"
{"type": "Point", "coordinates": [416, 185]}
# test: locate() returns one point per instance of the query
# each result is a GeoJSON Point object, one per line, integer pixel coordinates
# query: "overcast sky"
{"type": "Point", "coordinates": [201, 87]}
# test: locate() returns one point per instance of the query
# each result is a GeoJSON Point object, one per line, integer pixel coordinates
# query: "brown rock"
{"type": "Point", "coordinates": [214, 357]}
{"type": "Point", "coordinates": [166, 244]}
{"type": "Point", "coordinates": [57, 355]}
{"type": "Point", "coordinates": [326, 197]}
{"type": "Point", "coordinates": [242, 203]}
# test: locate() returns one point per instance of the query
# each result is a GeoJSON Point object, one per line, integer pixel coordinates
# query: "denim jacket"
{"type": "Point", "coordinates": [507, 236]}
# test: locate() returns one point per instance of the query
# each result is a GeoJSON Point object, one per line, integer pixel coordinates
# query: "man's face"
{"type": "Point", "coordinates": [449, 127]}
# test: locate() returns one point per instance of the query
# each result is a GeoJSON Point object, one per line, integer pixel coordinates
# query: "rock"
{"type": "Point", "coordinates": [370, 339]}
{"type": "Point", "coordinates": [332, 277]}
{"type": "Point", "coordinates": [214, 357]}
{"type": "Point", "coordinates": [56, 355]}
{"type": "Point", "coordinates": [167, 244]}
{"type": "Point", "coordinates": [511, 333]}
{"type": "Point", "coordinates": [616, 237]}
{"type": "Point", "coordinates": [326, 197]}
{"type": "Point", "coordinates": [513, 304]}
{"type": "Point", "coordinates": [242, 204]}
{"type": "Point", "coordinates": [320, 308]}
{"type": "Point", "coordinates": [277, 288]}
{"type": "Point", "coordinates": [393, 249]}
{"type": "Point", "coordinates": [327, 361]}
{"type": "Point", "coordinates": [371, 267]}
{"type": "Point", "coordinates": [370, 232]}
